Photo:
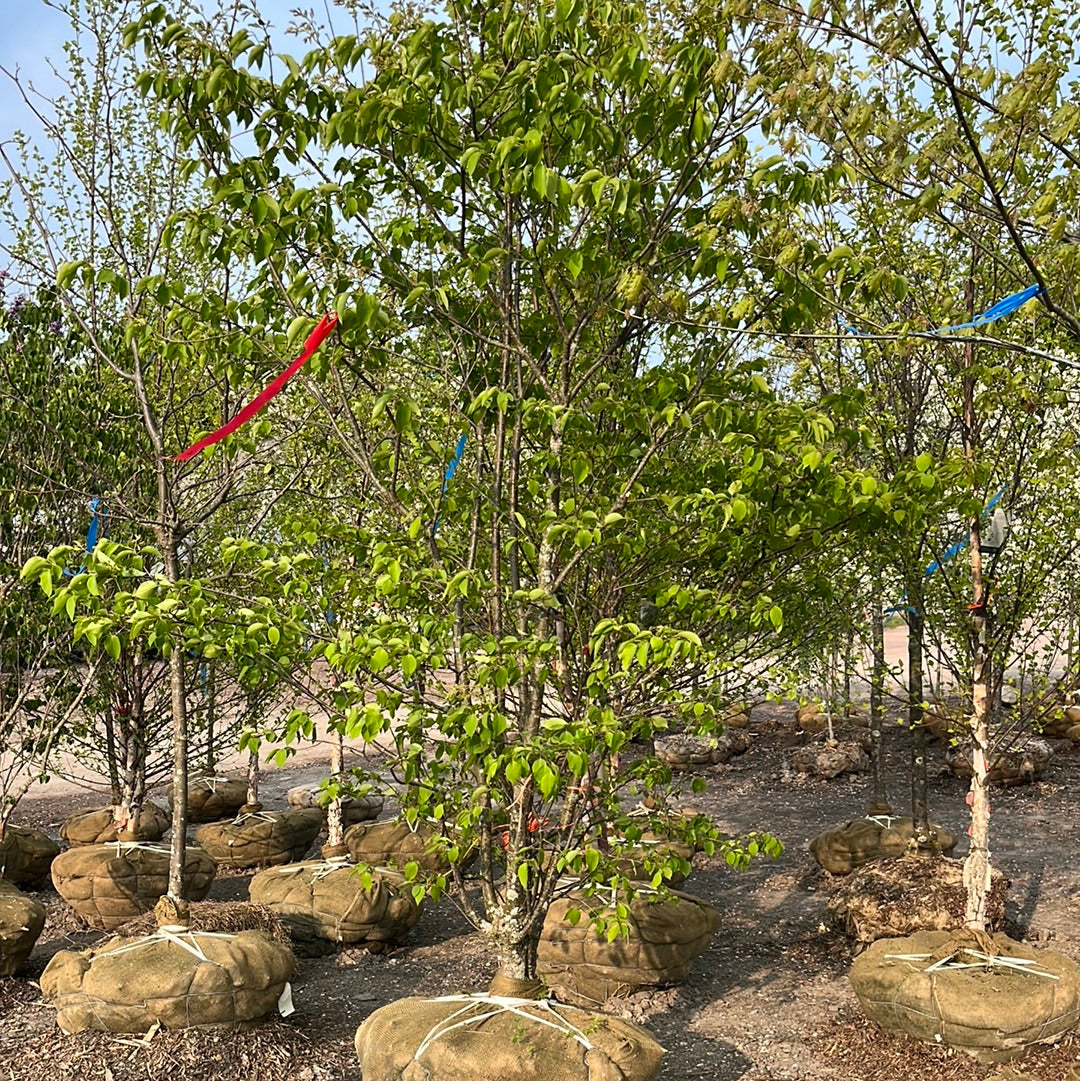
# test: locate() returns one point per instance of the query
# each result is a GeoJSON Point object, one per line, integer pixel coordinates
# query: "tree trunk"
{"type": "Point", "coordinates": [252, 805]}
{"type": "Point", "coordinates": [879, 803]}
{"type": "Point", "coordinates": [977, 864]}
{"type": "Point", "coordinates": [335, 813]}
{"type": "Point", "coordinates": [211, 717]}
{"type": "Point", "coordinates": [514, 943]}
{"type": "Point", "coordinates": [916, 711]}
{"type": "Point", "coordinates": [110, 758]}
{"type": "Point", "coordinates": [178, 701]}
{"type": "Point", "coordinates": [178, 709]}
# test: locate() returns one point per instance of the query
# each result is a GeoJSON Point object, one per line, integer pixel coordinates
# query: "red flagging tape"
{"type": "Point", "coordinates": [315, 339]}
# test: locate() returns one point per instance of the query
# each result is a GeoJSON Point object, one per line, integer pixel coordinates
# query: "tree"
{"type": "Point", "coordinates": [551, 249]}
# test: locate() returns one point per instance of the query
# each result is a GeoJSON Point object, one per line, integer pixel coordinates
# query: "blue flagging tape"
{"type": "Point", "coordinates": [1002, 308]}
{"type": "Point", "coordinates": [96, 522]}
{"type": "Point", "coordinates": [451, 469]}
{"type": "Point", "coordinates": [951, 552]}
{"type": "Point", "coordinates": [94, 532]}
{"type": "Point", "coordinates": [1005, 306]}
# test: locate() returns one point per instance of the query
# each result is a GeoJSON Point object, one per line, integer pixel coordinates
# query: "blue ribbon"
{"type": "Point", "coordinates": [1002, 308]}
{"type": "Point", "coordinates": [951, 552]}
{"type": "Point", "coordinates": [96, 523]}
{"type": "Point", "coordinates": [960, 545]}
{"type": "Point", "coordinates": [1005, 306]}
{"type": "Point", "coordinates": [451, 469]}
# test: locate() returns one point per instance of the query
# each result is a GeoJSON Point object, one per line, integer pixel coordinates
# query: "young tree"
{"type": "Point", "coordinates": [550, 248]}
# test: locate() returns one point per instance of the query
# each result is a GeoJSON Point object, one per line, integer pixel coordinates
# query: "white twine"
{"type": "Point", "coordinates": [170, 933]}
{"type": "Point", "coordinates": [324, 868]}
{"type": "Point", "coordinates": [1017, 964]}
{"type": "Point", "coordinates": [211, 782]}
{"type": "Point", "coordinates": [265, 816]}
{"type": "Point", "coordinates": [884, 821]}
{"type": "Point", "coordinates": [123, 847]}
{"type": "Point", "coordinates": [501, 1004]}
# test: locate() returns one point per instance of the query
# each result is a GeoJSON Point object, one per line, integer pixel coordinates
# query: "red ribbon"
{"type": "Point", "coordinates": [315, 339]}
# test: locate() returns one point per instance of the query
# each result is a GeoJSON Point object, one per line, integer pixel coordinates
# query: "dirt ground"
{"type": "Point", "coordinates": [769, 1000]}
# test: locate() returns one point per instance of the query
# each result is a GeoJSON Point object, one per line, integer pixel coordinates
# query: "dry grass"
{"type": "Point", "coordinates": [221, 916]}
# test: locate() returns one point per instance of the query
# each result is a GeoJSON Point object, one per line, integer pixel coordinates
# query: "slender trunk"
{"type": "Point", "coordinates": [916, 711]}
{"type": "Point", "coordinates": [850, 648]}
{"type": "Point", "coordinates": [132, 714]}
{"type": "Point", "coordinates": [514, 941]}
{"type": "Point", "coordinates": [879, 803]}
{"type": "Point", "coordinates": [178, 708]}
{"type": "Point", "coordinates": [110, 758]}
{"type": "Point", "coordinates": [178, 703]}
{"type": "Point", "coordinates": [253, 803]}
{"type": "Point", "coordinates": [335, 813]}
{"type": "Point", "coordinates": [211, 717]}
{"type": "Point", "coordinates": [977, 864]}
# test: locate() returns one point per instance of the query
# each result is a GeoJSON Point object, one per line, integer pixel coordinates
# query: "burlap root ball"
{"type": "Point", "coordinates": [831, 759]}
{"type": "Point", "coordinates": [1020, 764]}
{"type": "Point", "coordinates": [993, 1013]}
{"type": "Point", "coordinates": [26, 856]}
{"type": "Point", "coordinates": [353, 810]}
{"type": "Point", "coordinates": [813, 720]}
{"type": "Point", "coordinates": [210, 799]}
{"type": "Point", "coordinates": [21, 921]}
{"type": "Point", "coordinates": [839, 851]}
{"type": "Point", "coordinates": [683, 751]}
{"type": "Point", "coordinates": [640, 861]}
{"type": "Point", "coordinates": [433, 1039]}
{"type": "Point", "coordinates": [394, 844]}
{"type": "Point", "coordinates": [665, 936]}
{"type": "Point", "coordinates": [319, 900]}
{"type": "Point", "coordinates": [107, 885]}
{"type": "Point", "coordinates": [737, 716]}
{"type": "Point", "coordinates": [185, 980]}
{"type": "Point", "coordinates": [262, 839]}
{"type": "Point", "coordinates": [98, 827]}
{"type": "Point", "coordinates": [900, 896]}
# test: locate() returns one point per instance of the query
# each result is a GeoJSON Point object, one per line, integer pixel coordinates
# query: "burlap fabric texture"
{"type": "Point", "coordinates": [26, 856]}
{"type": "Point", "coordinates": [640, 861]}
{"type": "Point", "coordinates": [98, 827]}
{"type": "Point", "coordinates": [328, 901]}
{"type": "Point", "coordinates": [486, 1038]}
{"type": "Point", "coordinates": [830, 759]}
{"type": "Point", "coordinates": [360, 809]}
{"type": "Point", "coordinates": [893, 897]}
{"type": "Point", "coordinates": [262, 839]}
{"type": "Point", "coordinates": [664, 937]}
{"type": "Point", "coordinates": [21, 921]}
{"type": "Point", "coordinates": [992, 1013]}
{"type": "Point", "coordinates": [175, 978]}
{"type": "Point", "coordinates": [110, 884]}
{"type": "Point", "coordinates": [682, 751]}
{"type": "Point", "coordinates": [839, 851]}
{"type": "Point", "coordinates": [210, 799]}
{"type": "Point", "coordinates": [1020, 764]}
{"type": "Point", "coordinates": [394, 844]}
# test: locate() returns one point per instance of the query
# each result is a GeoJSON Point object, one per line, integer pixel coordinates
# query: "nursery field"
{"type": "Point", "coordinates": [768, 1001]}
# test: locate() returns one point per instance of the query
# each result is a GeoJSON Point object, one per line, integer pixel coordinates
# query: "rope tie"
{"type": "Point", "coordinates": [501, 1004]}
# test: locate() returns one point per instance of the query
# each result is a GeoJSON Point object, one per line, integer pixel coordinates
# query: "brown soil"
{"type": "Point", "coordinates": [768, 1001]}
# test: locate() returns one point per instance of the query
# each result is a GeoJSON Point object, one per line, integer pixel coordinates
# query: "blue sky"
{"type": "Point", "coordinates": [33, 34]}
{"type": "Point", "coordinates": [32, 37]}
